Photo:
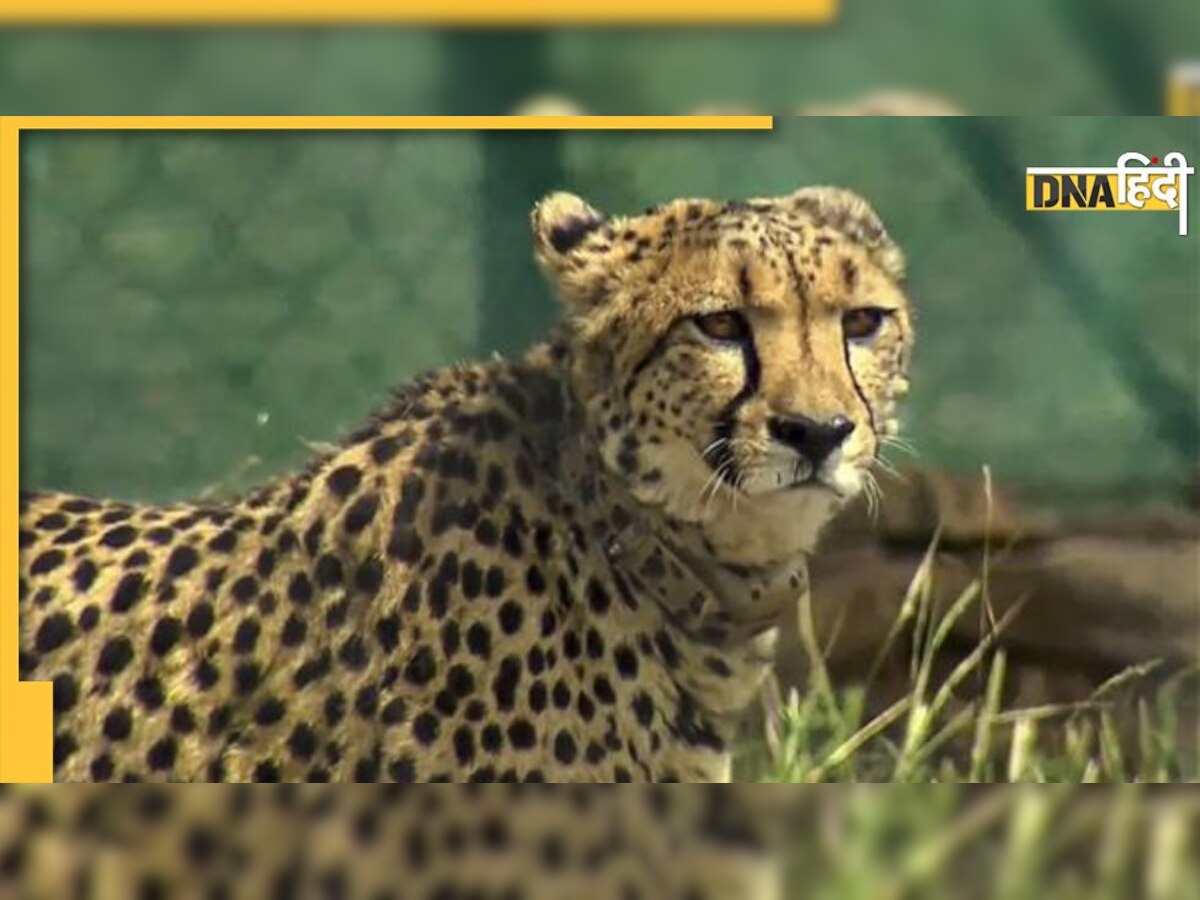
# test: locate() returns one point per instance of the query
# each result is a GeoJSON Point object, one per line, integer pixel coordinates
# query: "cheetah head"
{"type": "Point", "coordinates": [739, 362]}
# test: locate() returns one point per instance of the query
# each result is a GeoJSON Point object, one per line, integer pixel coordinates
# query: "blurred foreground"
{"type": "Point", "coordinates": [666, 843]}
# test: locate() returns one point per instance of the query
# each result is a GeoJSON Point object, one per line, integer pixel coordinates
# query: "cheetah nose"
{"type": "Point", "coordinates": [811, 439]}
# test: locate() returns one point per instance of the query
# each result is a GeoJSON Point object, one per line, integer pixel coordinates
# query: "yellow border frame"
{"type": "Point", "coordinates": [409, 12]}
{"type": "Point", "coordinates": [26, 720]}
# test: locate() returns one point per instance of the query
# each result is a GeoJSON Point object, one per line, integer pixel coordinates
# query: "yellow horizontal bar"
{"type": "Point", "coordinates": [456, 12]}
{"type": "Point", "coordinates": [375, 123]}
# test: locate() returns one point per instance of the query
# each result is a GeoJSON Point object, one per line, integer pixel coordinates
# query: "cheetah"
{"type": "Point", "coordinates": [567, 567]}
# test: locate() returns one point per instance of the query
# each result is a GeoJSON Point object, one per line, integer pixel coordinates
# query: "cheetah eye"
{"type": "Point", "coordinates": [863, 323]}
{"type": "Point", "coordinates": [724, 326]}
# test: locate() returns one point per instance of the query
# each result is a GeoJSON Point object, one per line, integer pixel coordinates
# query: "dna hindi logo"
{"type": "Point", "coordinates": [1135, 184]}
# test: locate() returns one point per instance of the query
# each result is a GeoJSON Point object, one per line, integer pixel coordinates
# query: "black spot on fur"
{"type": "Point", "coordinates": [84, 575]}
{"type": "Point", "coordinates": [344, 480]}
{"type": "Point", "coordinates": [166, 634]}
{"type": "Point", "coordinates": [115, 655]}
{"type": "Point", "coordinates": [46, 562]}
{"type": "Point", "coordinates": [54, 631]}
{"type": "Point", "coordinates": [568, 234]}
{"type": "Point", "coordinates": [181, 561]}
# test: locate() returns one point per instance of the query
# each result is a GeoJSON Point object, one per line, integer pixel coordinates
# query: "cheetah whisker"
{"type": "Point", "coordinates": [711, 487]}
{"type": "Point", "coordinates": [887, 465]}
{"type": "Point", "coordinates": [713, 447]}
{"type": "Point", "coordinates": [874, 495]}
{"type": "Point", "coordinates": [904, 445]}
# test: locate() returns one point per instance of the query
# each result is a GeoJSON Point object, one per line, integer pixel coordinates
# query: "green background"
{"type": "Point", "coordinates": [1016, 57]}
{"type": "Point", "coordinates": [197, 308]}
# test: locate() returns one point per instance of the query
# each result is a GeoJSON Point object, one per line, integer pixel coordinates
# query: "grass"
{"type": "Point", "coordinates": [1121, 733]}
{"type": "Point", "coordinates": [926, 834]}
{"type": "Point", "coordinates": [1020, 843]}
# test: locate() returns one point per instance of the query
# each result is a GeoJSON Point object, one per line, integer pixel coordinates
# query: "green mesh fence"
{"type": "Point", "coordinates": [197, 308]}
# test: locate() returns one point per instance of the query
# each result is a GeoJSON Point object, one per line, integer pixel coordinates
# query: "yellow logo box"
{"type": "Point", "coordinates": [1075, 191]}
{"type": "Point", "coordinates": [1137, 183]}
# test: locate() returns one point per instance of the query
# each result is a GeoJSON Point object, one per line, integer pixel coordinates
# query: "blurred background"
{"type": "Point", "coordinates": [1021, 57]}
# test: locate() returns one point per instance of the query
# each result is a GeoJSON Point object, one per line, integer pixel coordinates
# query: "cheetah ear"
{"type": "Point", "coordinates": [568, 246]}
{"type": "Point", "coordinates": [836, 207]}
{"type": "Point", "coordinates": [847, 212]}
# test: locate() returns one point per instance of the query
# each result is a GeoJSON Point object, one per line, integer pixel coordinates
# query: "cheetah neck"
{"type": "Point", "coordinates": [704, 579]}
{"type": "Point", "coordinates": [723, 615]}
